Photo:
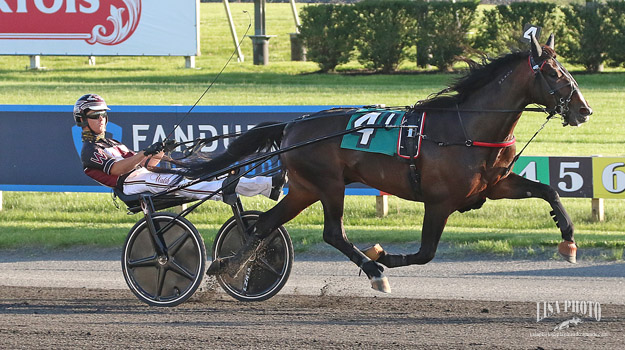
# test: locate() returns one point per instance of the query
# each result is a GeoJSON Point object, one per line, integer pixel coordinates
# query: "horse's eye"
{"type": "Point", "coordinates": [553, 74]}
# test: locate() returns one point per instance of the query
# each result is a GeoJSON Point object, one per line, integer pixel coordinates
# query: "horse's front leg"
{"type": "Point", "coordinates": [518, 187]}
{"type": "Point", "coordinates": [433, 225]}
{"type": "Point", "coordinates": [334, 234]}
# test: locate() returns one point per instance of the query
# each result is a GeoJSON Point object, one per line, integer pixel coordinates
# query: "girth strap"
{"type": "Point", "coordinates": [413, 173]}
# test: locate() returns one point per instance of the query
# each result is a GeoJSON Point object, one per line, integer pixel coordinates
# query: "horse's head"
{"type": "Point", "coordinates": [555, 87]}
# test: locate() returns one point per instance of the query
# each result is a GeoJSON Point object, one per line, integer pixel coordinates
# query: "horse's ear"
{"type": "Point", "coordinates": [551, 42]}
{"type": "Point", "coordinates": [537, 51]}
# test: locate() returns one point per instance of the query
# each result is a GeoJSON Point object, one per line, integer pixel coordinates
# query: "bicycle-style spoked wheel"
{"type": "Point", "coordinates": [170, 279]}
{"type": "Point", "coordinates": [265, 272]}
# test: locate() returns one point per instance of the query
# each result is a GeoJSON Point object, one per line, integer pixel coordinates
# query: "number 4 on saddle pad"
{"type": "Point", "coordinates": [401, 127]}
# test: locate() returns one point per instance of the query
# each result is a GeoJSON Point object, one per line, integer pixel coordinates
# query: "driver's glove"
{"type": "Point", "coordinates": [153, 149]}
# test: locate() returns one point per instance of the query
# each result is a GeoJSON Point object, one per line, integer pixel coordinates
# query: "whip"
{"type": "Point", "coordinates": [216, 77]}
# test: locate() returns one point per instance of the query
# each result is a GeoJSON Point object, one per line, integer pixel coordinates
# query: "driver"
{"type": "Point", "coordinates": [112, 164]}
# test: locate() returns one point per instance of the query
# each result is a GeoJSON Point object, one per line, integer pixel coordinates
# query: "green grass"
{"type": "Point", "coordinates": [55, 220]}
{"type": "Point", "coordinates": [502, 227]}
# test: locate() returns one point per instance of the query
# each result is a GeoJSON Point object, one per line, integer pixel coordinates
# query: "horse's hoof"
{"type": "Point", "coordinates": [374, 252]}
{"type": "Point", "coordinates": [381, 284]}
{"type": "Point", "coordinates": [216, 267]}
{"type": "Point", "coordinates": [568, 250]}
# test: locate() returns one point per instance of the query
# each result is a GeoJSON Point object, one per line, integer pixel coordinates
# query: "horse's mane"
{"type": "Point", "coordinates": [478, 75]}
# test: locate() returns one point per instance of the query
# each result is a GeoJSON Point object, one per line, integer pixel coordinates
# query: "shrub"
{"type": "Point", "coordinates": [615, 15]}
{"type": "Point", "coordinates": [385, 29]}
{"type": "Point", "coordinates": [502, 27]}
{"type": "Point", "coordinates": [442, 33]}
{"type": "Point", "coordinates": [582, 40]}
{"type": "Point", "coordinates": [327, 33]}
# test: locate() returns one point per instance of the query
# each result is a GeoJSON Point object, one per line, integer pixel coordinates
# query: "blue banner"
{"type": "Point", "coordinates": [40, 145]}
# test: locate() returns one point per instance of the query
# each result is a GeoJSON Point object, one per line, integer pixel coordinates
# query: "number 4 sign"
{"type": "Point", "coordinates": [533, 168]}
{"type": "Point", "coordinates": [528, 29]}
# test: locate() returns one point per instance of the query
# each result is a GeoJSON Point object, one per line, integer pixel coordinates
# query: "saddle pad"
{"type": "Point", "coordinates": [376, 140]}
{"type": "Point", "coordinates": [390, 141]}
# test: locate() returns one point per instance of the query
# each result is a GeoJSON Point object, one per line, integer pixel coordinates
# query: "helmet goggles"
{"type": "Point", "coordinates": [96, 114]}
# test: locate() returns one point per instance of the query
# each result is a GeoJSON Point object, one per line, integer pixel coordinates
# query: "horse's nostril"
{"type": "Point", "coordinates": [585, 111]}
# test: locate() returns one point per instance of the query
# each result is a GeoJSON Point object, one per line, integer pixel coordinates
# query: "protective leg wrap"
{"type": "Point", "coordinates": [563, 222]}
{"type": "Point", "coordinates": [393, 260]}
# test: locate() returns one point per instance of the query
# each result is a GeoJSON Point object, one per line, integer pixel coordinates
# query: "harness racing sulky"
{"type": "Point", "coordinates": [455, 150]}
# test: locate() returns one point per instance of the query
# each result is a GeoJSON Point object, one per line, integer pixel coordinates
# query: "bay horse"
{"type": "Point", "coordinates": [454, 172]}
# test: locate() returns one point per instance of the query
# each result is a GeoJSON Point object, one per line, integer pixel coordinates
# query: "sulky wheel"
{"type": "Point", "coordinates": [266, 272]}
{"type": "Point", "coordinates": [170, 279]}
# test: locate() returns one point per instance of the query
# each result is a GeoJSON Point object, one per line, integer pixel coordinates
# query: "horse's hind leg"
{"type": "Point", "coordinates": [300, 197]}
{"type": "Point", "coordinates": [433, 225]}
{"type": "Point", "coordinates": [288, 208]}
{"type": "Point", "coordinates": [518, 187]}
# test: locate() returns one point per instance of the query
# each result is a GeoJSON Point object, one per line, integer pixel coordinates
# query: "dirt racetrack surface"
{"type": "Point", "coordinates": [60, 318]}
{"type": "Point", "coordinates": [78, 299]}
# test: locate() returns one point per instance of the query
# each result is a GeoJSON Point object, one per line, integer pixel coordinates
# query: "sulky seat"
{"type": "Point", "coordinates": [133, 201]}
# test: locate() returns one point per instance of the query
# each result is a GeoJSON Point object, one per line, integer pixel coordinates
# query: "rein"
{"type": "Point", "coordinates": [197, 143]}
{"type": "Point", "coordinates": [516, 157]}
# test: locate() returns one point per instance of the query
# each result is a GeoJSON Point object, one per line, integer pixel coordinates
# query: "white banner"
{"type": "Point", "coordinates": [99, 27]}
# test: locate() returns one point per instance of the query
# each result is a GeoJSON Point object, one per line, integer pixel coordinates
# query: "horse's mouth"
{"type": "Point", "coordinates": [576, 120]}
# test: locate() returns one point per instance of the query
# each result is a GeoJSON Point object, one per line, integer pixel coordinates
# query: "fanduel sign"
{"type": "Point", "coordinates": [48, 136]}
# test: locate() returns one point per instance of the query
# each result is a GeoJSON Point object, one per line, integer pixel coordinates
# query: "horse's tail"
{"type": "Point", "coordinates": [261, 137]}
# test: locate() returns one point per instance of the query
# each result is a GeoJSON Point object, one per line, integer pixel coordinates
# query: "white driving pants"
{"type": "Point", "coordinates": [143, 180]}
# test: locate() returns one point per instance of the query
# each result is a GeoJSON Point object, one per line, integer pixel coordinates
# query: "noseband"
{"type": "Point", "coordinates": [562, 105]}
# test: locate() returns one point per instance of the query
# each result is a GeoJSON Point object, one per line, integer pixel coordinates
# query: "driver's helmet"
{"type": "Point", "coordinates": [86, 103]}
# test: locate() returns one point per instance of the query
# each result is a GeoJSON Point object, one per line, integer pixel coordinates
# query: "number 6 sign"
{"type": "Point", "coordinates": [609, 177]}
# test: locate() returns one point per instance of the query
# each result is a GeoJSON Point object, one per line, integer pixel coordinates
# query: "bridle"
{"type": "Point", "coordinates": [562, 106]}
{"type": "Point", "coordinates": [562, 102]}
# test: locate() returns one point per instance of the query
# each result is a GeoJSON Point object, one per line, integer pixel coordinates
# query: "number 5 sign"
{"type": "Point", "coordinates": [571, 176]}
{"type": "Point", "coordinates": [609, 177]}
